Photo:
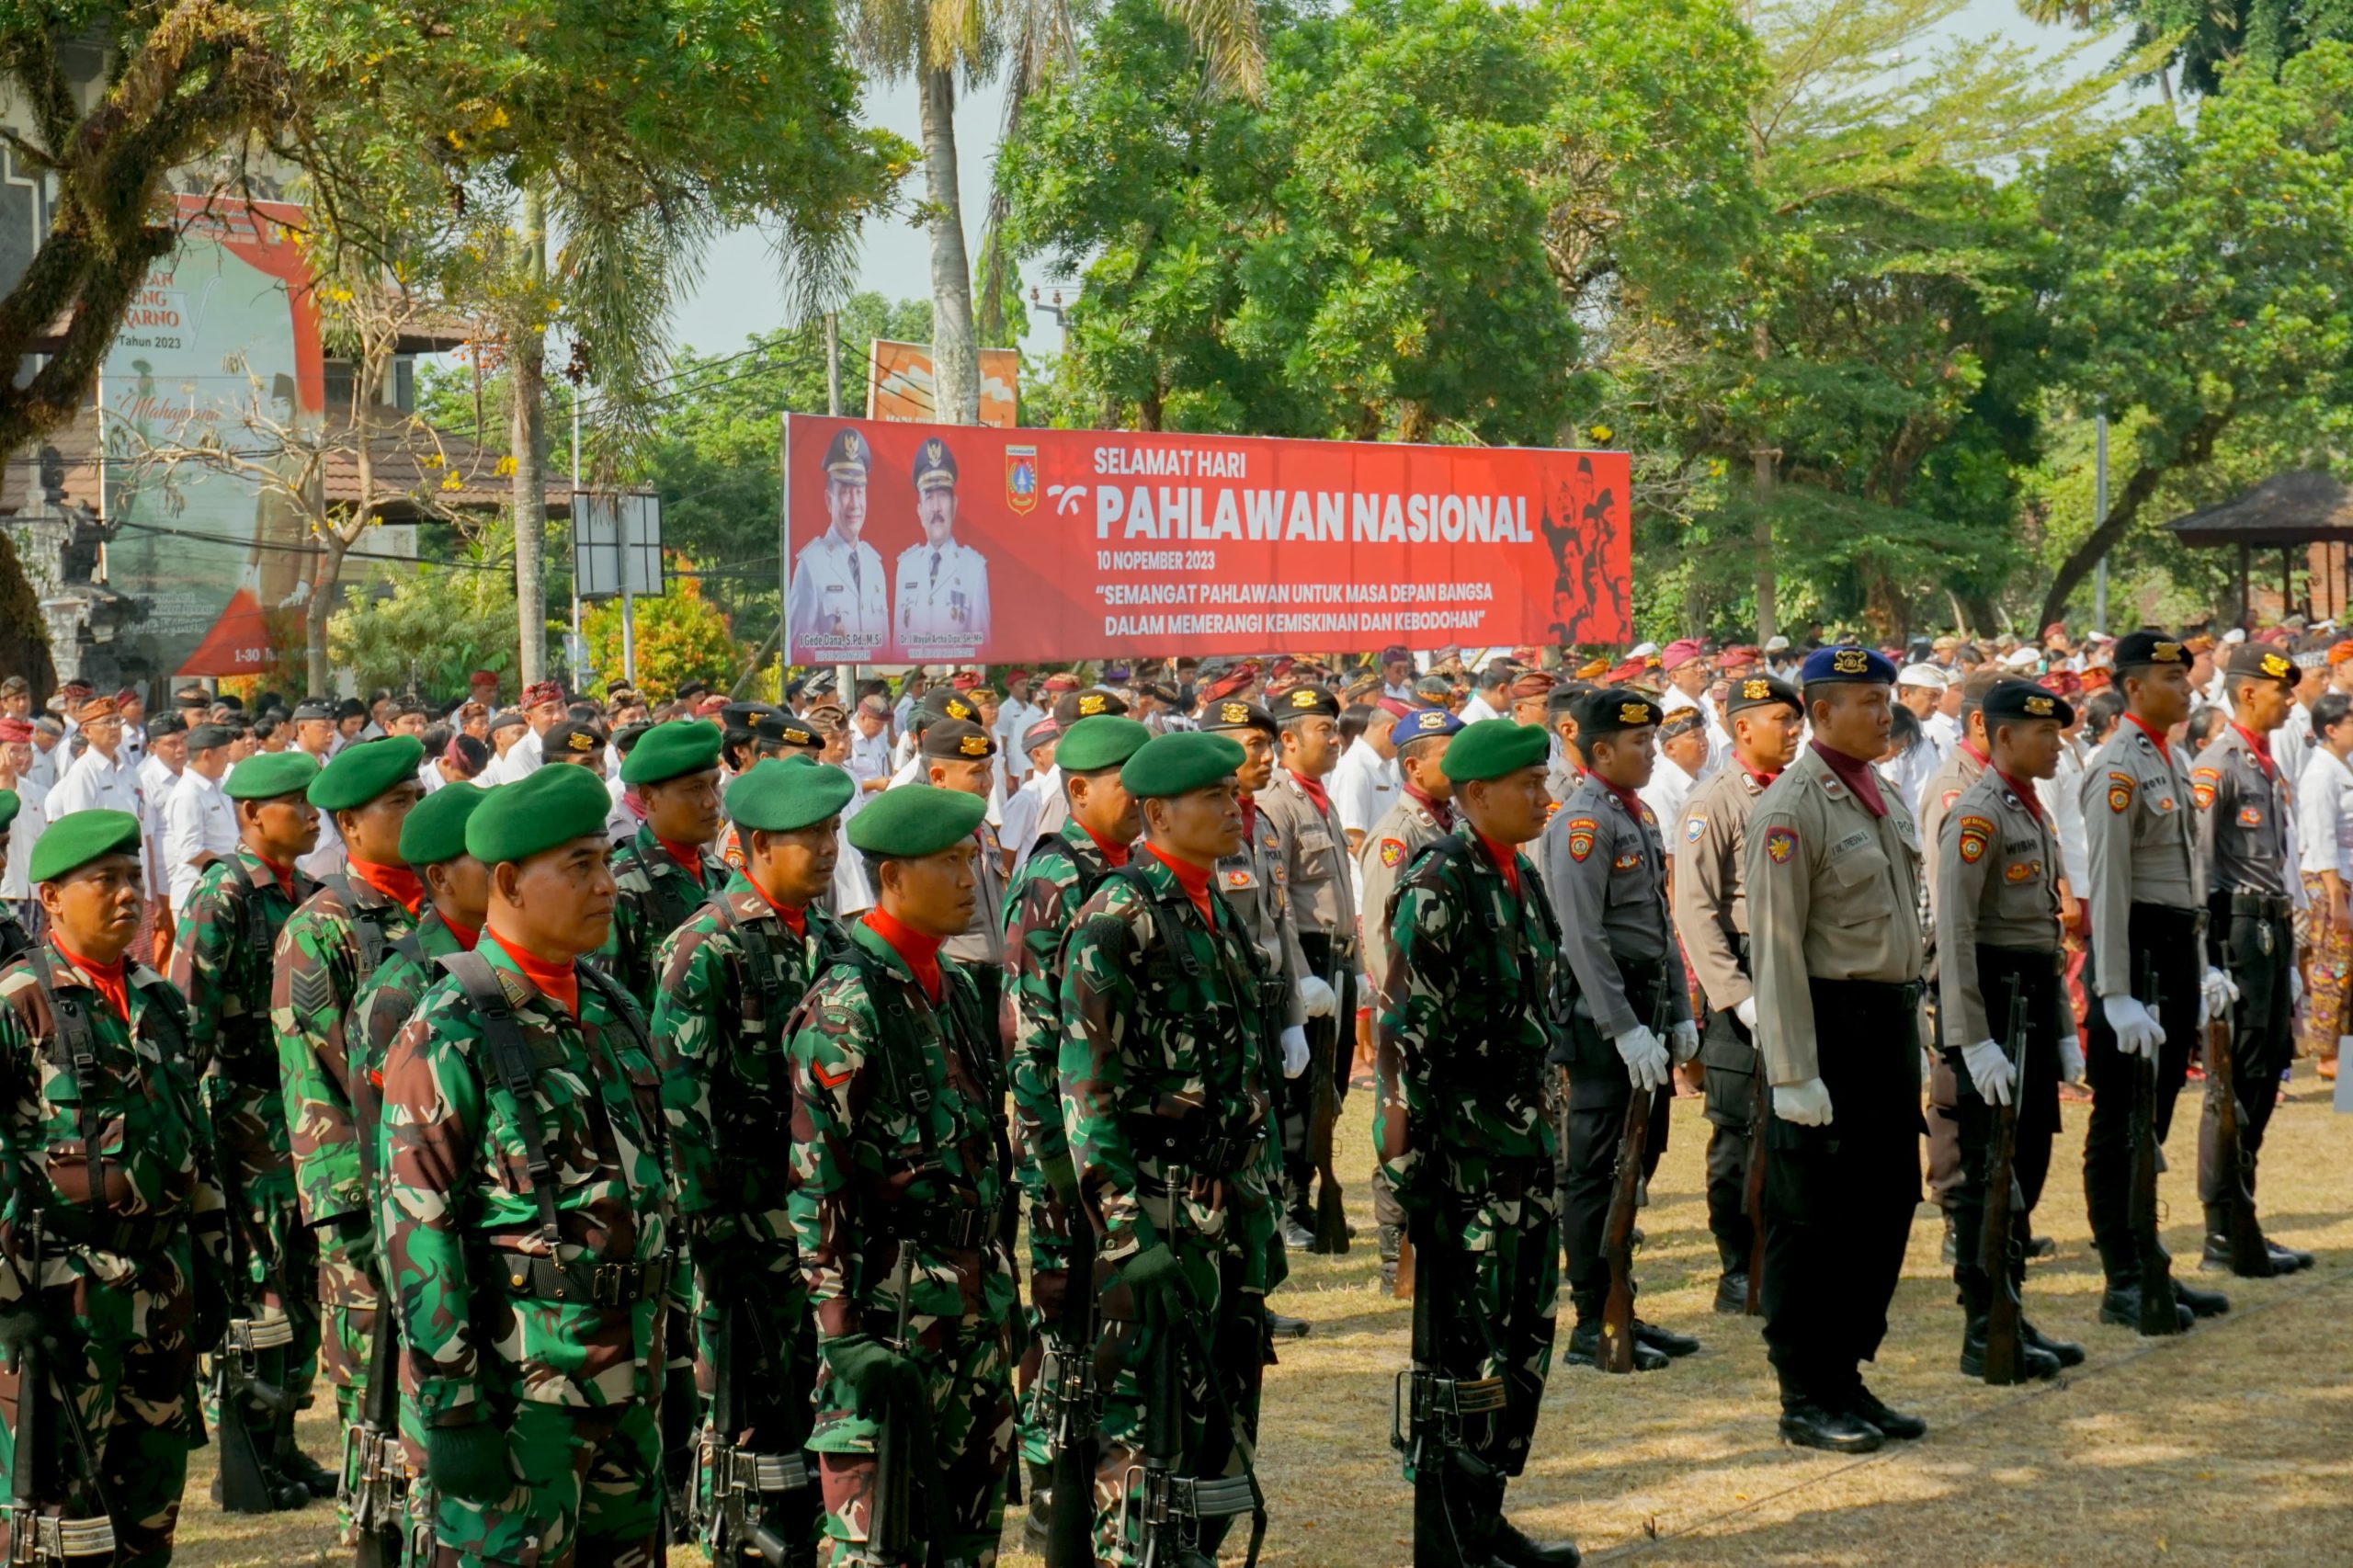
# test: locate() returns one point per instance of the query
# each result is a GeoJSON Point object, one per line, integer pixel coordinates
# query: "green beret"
{"type": "Point", "coordinates": [436, 830]}
{"type": "Point", "coordinates": [1490, 748]}
{"type": "Point", "coordinates": [1179, 764]}
{"type": "Point", "coordinates": [360, 772]}
{"type": "Point", "coordinates": [915, 819]}
{"type": "Point", "coordinates": [76, 839]}
{"type": "Point", "coordinates": [546, 807]}
{"type": "Point", "coordinates": [671, 751]}
{"type": "Point", "coordinates": [267, 775]}
{"type": "Point", "coordinates": [774, 796]}
{"type": "Point", "coordinates": [1093, 744]}
{"type": "Point", "coordinates": [9, 804]}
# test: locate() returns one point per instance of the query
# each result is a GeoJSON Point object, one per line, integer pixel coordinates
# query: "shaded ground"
{"type": "Point", "coordinates": [2233, 1444]}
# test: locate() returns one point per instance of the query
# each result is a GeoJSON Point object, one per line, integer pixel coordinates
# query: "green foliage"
{"type": "Point", "coordinates": [679, 637]}
{"type": "Point", "coordinates": [432, 627]}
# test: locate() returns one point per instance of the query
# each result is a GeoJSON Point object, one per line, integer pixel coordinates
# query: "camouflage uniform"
{"type": "Point", "coordinates": [221, 964]}
{"type": "Point", "coordinates": [1257, 890]}
{"type": "Point", "coordinates": [330, 944]}
{"type": "Point", "coordinates": [533, 1302]}
{"type": "Point", "coordinates": [731, 977]}
{"type": "Point", "coordinates": [1164, 1066]}
{"type": "Point", "coordinates": [14, 940]}
{"type": "Point", "coordinates": [653, 896]}
{"type": "Point", "coordinates": [1061, 872]}
{"type": "Point", "coordinates": [1460, 1040]}
{"type": "Point", "coordinates": [117, 1270]}
{"type": "Point", "coordinates": [898, 1158]}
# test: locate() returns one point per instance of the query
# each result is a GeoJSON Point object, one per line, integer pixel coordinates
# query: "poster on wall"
{"type": "Point", "coordinates": [923, 543]}
{"type": "Point", "coordinates": [224, 322]}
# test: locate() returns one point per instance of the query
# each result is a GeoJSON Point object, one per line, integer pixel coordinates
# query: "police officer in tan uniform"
{"type": "Point", "coordinates": [1833, 877]}
{"type": "Point", "coordinates": [1711, 918]}
{"type": "Point", "coordinates": [1604, 864]}
{"type": "Point", "coordinates": [2147, 897]}
{"type": "Point", "coordinates": [1997, 939]}
{"type": "Point", "coordinates": [1961, 768]}
{"type": "Point", "coordinates": [1323, 905]}
{"type": "Point", "coordinates": [2243, 824]}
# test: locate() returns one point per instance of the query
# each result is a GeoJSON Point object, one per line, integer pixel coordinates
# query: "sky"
{"type": "Point", "coordinates": [738, 293]}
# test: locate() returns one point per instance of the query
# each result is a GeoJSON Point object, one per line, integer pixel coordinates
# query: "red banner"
{"type": "Point", "coordinates": [923, 543]}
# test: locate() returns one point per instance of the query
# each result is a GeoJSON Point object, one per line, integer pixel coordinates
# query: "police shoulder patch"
{"type": "Point", "coordinates": [2201, 785]}
{"type": "Point", "coordinates": [2121, 785]}
{"type": "Point", "coordinates": [1976, 833]}
{"type": "Point", "coordinates": [1780, 842]}
{"type": "Point", "coordinates": [1693, 829]}
{"type": "Point", "coordinates": [1581, 830]}
{"type": "Point", "coordinates": [1391, 851]}
{"type": "Point", "coordinates": [2250, 816]}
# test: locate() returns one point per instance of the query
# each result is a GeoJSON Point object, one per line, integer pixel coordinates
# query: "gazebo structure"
{"type": "Point", "coordinates": [2302, 510]}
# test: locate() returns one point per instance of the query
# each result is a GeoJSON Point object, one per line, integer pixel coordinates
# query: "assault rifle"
{"type": "Point", "coordinates": [737, 1486]}
{"type": "Point", "coordinates": [2158, 1315]}
{"type": "Point", "coordinates": [1066, 1381]}
{"type": "Point", "coordinates": [1625, 1198]}
{"type": "Point", "coordinates": [2250, 1256]}
{"type": "Point", "coordinates": [1429, 1406]}
{"type": "Point", "coordinates": [1997, 1247]}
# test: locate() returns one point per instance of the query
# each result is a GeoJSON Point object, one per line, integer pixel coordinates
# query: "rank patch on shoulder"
{"type": "Point", "coordinates": [1581, 830]}
{"type": "Point", "coordinates": [830, 1077]}
{"type": "Point", "coordinates": [1976, 833]}
{"type": "Point", "coordinates": [1950, 796]}
{"type": "Point", "coordinates": [1693, 829]}
{"type": "Point", "coordinates": [1391, 851]}
{"type": "Point", "coordinates": [2250, 816]}
{"type": "Point", "coordinates": [1780, 842]}
{"type": "Point", "coordinates": [2119, 791]}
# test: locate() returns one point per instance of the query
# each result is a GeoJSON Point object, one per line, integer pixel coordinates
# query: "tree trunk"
{"type": "Point", "coordinates": [955, 358]}
{"type": "Point", "coordinates": [526, 440]}
{"type": "Point", "coordinates": [2196, 446]}
{"type": "Point", "coordinates": [1764, 456]}
{"type": "Point", "coordinates": [324, 586]}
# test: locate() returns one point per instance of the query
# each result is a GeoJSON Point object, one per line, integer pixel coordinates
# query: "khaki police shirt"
{"type": "Point", "coordinates": [1605, 865]}
{"type": "Point", "coordinates": [1997, 882]}
{"type": "Point", "coordinates": [2243, 816]}
{"type": "Point", "coordinates": [983, 941]}
{"type": "Point", "coordinates": [1315, 860]}
{"type": "Point", "coordinates": [1256, 889]}
{"type": "Point", "coordinates": [1958, 770]}
{"type": "Point", "coordinates": [2142, 835]}
{"type": "Point", "coordinates": [1831, 890]}
{"type": "Point", "coordinates": [1404, 830]}
{"type": "Point", "coordinates": [1710, 886]}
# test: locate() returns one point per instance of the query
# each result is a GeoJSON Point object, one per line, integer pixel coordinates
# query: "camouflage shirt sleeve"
{"type": "Point", "coordinates": [1099, 1015]}
{"type": "Point", "coordinates": [1407, 1018]}
{"type": "Point", "coordinates": [308, 1012]}
{"type": "Point", "coordinates": [433, 1117]}
{"type": "Point", "coordinates": [200, 958]}
{"type": "Point", "coordinates": [1042, 905]}
{"type": "Point", "coordinates": [836, 1075]}
{"type": "Point", "coordinates": [691, 1028]}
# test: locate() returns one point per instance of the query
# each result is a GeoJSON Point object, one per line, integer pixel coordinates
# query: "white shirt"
{"type": "Point", "coordinates": [1943, 731]}
{"type": "Point", "coordinates": [2295, 731]}
{"type": "Point", "coordinates": [2062, 796]}
{"type": "Point", "coordinates": [329, 857]}
{"type": "Point", "coordinates": [1475, 709]}
{"type": "Point", "coordinates": [869, 756]}
{"type": "Point", "coordinates": [95, 784]}
{"type": "Point", "coordinates": [31, 817]}
{"type": "Point", "coordinates": [852, 894]}
{"type": "Point", "coordinates": [198, 820]}
{"type": "Point", "coordinates": [1669, 787]}
{"type": "Point", "coordinates": [43, 771]}
{"type": "Point", "coordinates": [836, 604]}
{"type": "Point", "coordinates": [1013, 719]}
{"type": "Point", "coordinates": [1911, 772]}
{"type": "Point", "coordinates": [2325, 815]}
{"type": "Point", "coordinates": [1364, 786]}
{"type": "Point", "coordinates": [943, 600]}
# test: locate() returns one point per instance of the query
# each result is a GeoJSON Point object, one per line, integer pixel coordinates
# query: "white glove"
{"type": "Point", "coordinates": [1745, 1011]}
{"type": "Point", "coordinates": [1684, 1041]}
{"type": "Point", "coordinates": [1294, 1041]}
{"type": "Point", "coordinates": [2136, 1033]}
{"type": "Point", "coordinates": [1315, 995]}
{"type": "Point", "coordinates": [1645, 1059]}
{"type": "Point", "coordinates": [2071, 1054]}
{"type": "Point", "coordinates": [2215, 996]}
{"type": "Point", "coordinates": [1803, 1105]}
{"type": "Point", "coordinates": [1990, 1070]}
{"type": "Point", "coordinates": [2295, 986]}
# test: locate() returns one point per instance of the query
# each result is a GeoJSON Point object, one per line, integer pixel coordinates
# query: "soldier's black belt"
{"type": "Point", "coordinates": [1273, 993]}
{"type": "Point", "coordinates": [586, 1284]}
{"type": "Point", "coordinates": [111, 1233]}
{"type": "Point", "coordinates": [2259, 906]}
{"type": "Point", "coordinates": [958, 1229]}
{"type": "Point", "coordinates": [2192, 920]}
{"type": "Point", "coordinates": [1176, 1142]}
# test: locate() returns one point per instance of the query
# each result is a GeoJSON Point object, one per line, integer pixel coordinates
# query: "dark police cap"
{"type": "Point", "coordinates": [1077, 705]}
{"type": "Point", "coordinates": [935, 466]}
{"type": "Point", "coordinates": [209, 737]}
{"type": "Point", "coordinates": [775, 796]}
{"type": "Point", "coordinates": [957, 740]}
{"type": "Point", "coordinates": [915, 819]}
{"type": "Point", "coordinates": [312, 708]}
{"type": "Point", "coordinates": [1178, 764]}
{"type": "Point", "coordinates": [784, 729]}
{"type": "Point", "coordinates": [848, 457]}
{"type": "Point", "coordinates": [2261, 660]}
{"type": "Point", "coordinates": [1493, 748]}
{"type": "Point", "coordinates": [1306, 702]}
{"type": "Point", "coordinates": [1846, 666]}
{"type": "Point", "coordinates": [1762, 692]}
{"type": "Point", "coordinates": [1423, 723]}
{"type": "Point", "coordinates": [360, 772]}
{"type": "Point", "coordinates": [672, 751]}
{"type": "Point", "coordinates": [1563, 698]}
{"type": "Point", "coordinates": [2012, 701]}
{"type": "Point", "coordinates": [1611, 710]}
{"type": "Point", "coordinates": [946, 702]}
{"type": "Point", "coordinates": [1232, 713]}
{"type": "Point", "coordinates": [575, 738]}
{"type": "Point", "coordinates": [2139, 650]}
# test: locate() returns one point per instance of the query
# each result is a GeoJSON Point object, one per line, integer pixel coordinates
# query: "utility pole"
{"type": "Point", "coordinates": [844, 675]}
{"type": "Point", "coordinates": [2099, 516]}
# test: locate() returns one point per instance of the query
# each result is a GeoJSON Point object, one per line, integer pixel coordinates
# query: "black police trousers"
{"type": "Point", "coordinates": [2003, 972]}
{"type": "Point", "coordinates": [2263, 1037]}
{"type": "Point", "coordinates": [1729, 1058]}
{"type": "Point", "coordinates": [1599, 1091]}
{"type": "Point", "coordinates": [2167, 938]}
{"type": "Point", "coordinates": [1838, 1199]}
{"type": "Point", "coordinates": [1331, 1046]}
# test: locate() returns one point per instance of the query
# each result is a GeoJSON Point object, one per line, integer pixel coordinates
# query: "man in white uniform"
{"type": "Point", "coordinates": [199, 823]}
{"type": "Point", "coordinates": [838, 600]}
{"type": "Point", "coordinates": [943, 586]}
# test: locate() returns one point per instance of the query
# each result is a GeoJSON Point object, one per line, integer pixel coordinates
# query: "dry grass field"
{"type": "Point", "coordinates": [2230, 1444]}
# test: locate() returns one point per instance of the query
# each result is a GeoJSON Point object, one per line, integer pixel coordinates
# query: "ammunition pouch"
{"type": "Point", "coordinates": [586, 1284]}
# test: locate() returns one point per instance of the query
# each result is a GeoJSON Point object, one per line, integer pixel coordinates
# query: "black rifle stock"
{"type": "Point", "coordinates": [248, 1368]}
{"type": "Point", "coordinates": [1752, 1197]}
{"type": "Point", "coordinates": [1067, 1374]}
{"type": "Point", "coordinates": [1996, 1247]}
{"type": "Point", "coordinates": [1428, 1406]}
{"type": "Point", "coordinates": [890, 1528]}
{"type": "Point", "coordinates": [1331, 1208]}
{"type": "Point", "coordinates": [736, 1484]}
{"type": "Point", "coordinates": [1625, 1200]}
{"type": "Point", "coordinates": [2250, 1257]}
{"type": "Point", "coordinates": [2157, 1314]}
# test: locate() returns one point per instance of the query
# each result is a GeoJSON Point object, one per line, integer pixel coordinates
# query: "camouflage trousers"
{"type": "Point", "coordinates": [124, 1357]}
{"type": "Point", "coordinates": [1504, 1279]}
{"type": "Point", "coordinates": [279, 1247]}
{"type": "Point", "coordinates": [587, 1493]}
{"type": "Point", "coordinates": [967, 1391]}
{"type": "Point", "coordinates": [1049, 1242]}
{"type": "Point", "coordinates": [771, 1361]}
{"type": "Point", "coordinates": [348, 1302]}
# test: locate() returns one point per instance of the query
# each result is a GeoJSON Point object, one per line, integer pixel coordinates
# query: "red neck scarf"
{"type": "Point", "coordinates": [1194, 880]}
{"type": "Point", "coordinates": [795, 916]}
{"type": "Point", "coordinates": [921, 952]}
{"type": "Point", "coordinates": [687, 856]}
{"type": "Point", "coordinates": [2156, 738]}
{"type": "Point", "coordinates": [467, 937]}
{"type": "Point", "coordinates": [112, 978]}
{"type": "Point", "coordinates": [396, 882]}
{"type": "Point", "coordinates": [1763, 780]}
{"type": "Point", "coordinates": [1857, 775]}
{"type": "Point", "coordinates": [1979, 758]}
{"type": "Point", "coordinates": [559, 984]}
{"type": "Point", "coordinates": [285, 874]}
{"type": "Point", "coordinates": [2025, 792]}
{"type": "Point", "coordinates": [1627, 798]}
{"type": "Point", "coordinates": [1442, 812]}
{"type": "Point", "coordinates": [1506, 859]}
{"type": "Point", "coordinates": [1313, 788]}
{"type": "Point", "coordinates": [1115, 854]}
{"type": "Point", "coordinates": [2261, 746]}
{"type": "Point", "coordinates": [1249, 819]}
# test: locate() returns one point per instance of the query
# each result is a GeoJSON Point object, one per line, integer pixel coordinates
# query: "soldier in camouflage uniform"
{"type": "Point", "coordinates": [900, 1173]}
{"type": "Point", "coordinates": [1061, 872]}
{"type": "Point", "coordinates": [731, 977]}
{"type": "Point", "coordinates": [529, 1233]}
{"type": "Point", "coordinates": [1460, 1033]}
{"type": "Point", "coordinates": [328, 945]}
{"type": "Point", "coordinates": [111, 1272]}
{"type": "Point", "coordinates": [1165, 1104]}
{"type": "Point", "coordinates": [221, 964]}
{"type": "Point", "coordinates": [457, 891]}
{"type": "Point", "coordinates": [14, 938]}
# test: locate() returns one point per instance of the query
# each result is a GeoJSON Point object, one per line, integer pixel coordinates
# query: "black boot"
{"type": "Point", "coordinates": [1282, 1327]}
{"type": "Point", "coordinates": [1667, 1343]}
{"type": "Point", "coordinates": [1299, 1229]}
{"type": "Point", "coordinates": [2065, 1353]}
{"type": "Point", "coordinates": [1585, 1349]}
{"type": "Point", "coordinates": [1392, 1241]}
{"type": "Point", "coordinates": [2120, 1305]}
{"type": "Point", "coordinates": [299, 1468]}
{"type": "Point", "coordinates": [1811, 1425]}
{"type": "Point", "coordinates": [2217, 1254]}
{"type": "Point", "coordinates": [1732, 1292]}
{"type": "Point", "coordinates": [2204, 1304]}
{"type": "Point", "coordinates": [1898, 1425]}
{"type": "Point", "coordinates": [2287, 1259]}
{"type": "Point", "coordinates": [2033, 1361]}
{"type": "Point", "coordinates": [1510, 1545]}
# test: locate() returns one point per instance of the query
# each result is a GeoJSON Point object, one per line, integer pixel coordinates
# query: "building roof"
{"type": "Point", "coordinates": [2302, 507]}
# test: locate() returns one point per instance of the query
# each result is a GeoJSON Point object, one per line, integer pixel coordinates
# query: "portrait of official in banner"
{"type": "Point", "coordinates": [838, 603]}
{"type": "Point", "coordinates": [943, 586]}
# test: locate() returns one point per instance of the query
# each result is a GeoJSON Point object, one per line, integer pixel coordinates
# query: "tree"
{"type": "Point", "coordinates": [2205, 40]}
{"type": "Point", "coordinates": [679, 637]}
{"type": "Point", "coordinates": [431, 628]}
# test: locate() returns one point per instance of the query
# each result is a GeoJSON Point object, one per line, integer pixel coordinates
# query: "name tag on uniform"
{"type": "Point", "coordinates": [1854, 840]}
{"type": "Point", "coordinates": [1908, 832]}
